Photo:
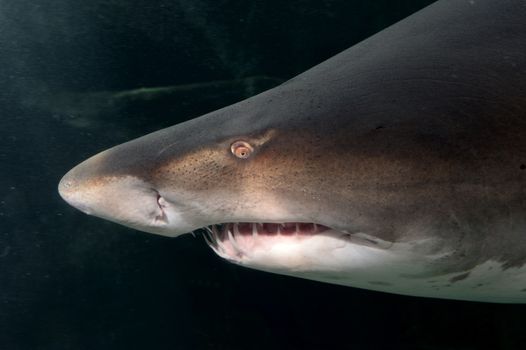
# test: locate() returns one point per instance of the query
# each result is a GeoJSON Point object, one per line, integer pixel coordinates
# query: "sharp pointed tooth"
{"type": "Point", "coordinates": [315, 227]}
{"type": "Point", "coordinates": [279, 229]}
{"type": "Point", "coordinates": [210, 234]}
{"type": "Point", "coordinates": [214, 239]}
{"type": "Point", "coordinates": [214, 233]}
{"type": "Point", "coordinates": [216, 248]}
{"type": "Point", "coordinates": [217, 245]}
{"type": "Point", "coordinates": [207, 240]}
{"type": "Point", "coordinates": [233, 242]}
{"type": "Point", "coordinates": [223, 231]}
{"type": "Point", "coordinates": [236, 229]}
{"type": "Point", "coordinates": [254, 230]}
{"type": "Point", "coordinates": [297, 229]}
{"type": "Point", "coordinates": [216, 251]}
{"type": "Point", "coordinates": [193, 234]}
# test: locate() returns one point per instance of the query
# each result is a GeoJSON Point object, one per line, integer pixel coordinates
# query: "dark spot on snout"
{"type": "Point", "coordinates": [524, 290]}
{"type": "Point", "coordinates": [523, 166]}
{"type": "Point", "coordinates": [460, 277]}
{"type": "Point", "coordinates": [380, 127]}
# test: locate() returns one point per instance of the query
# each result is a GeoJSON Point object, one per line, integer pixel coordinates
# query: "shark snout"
{"type": "Point", "coordinates": [71, 191]}
{"type": "Point", "coordinates": [79, 188]}
{"type": "Point", "coordinates": [121, 198]}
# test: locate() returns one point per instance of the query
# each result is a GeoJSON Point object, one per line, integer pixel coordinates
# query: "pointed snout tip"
{"type": "Point", "coordinates": [70, 191]}
{"type": "Point", "coordinates": [64, 186]}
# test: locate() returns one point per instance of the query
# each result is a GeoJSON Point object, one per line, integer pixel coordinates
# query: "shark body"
{"type": "Point", "coordinates": [398, 165]}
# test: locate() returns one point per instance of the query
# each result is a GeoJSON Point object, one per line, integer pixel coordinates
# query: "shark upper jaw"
{"type": "Point", "coordinates": [271, 236]}
{"type": "Point", "coordinates": [136, 203]}
{"type": "Point", "coordinates": [260, 240]}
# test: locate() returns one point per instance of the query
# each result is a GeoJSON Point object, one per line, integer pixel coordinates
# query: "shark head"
{"type": "Point", "coordinates": [262, 188]}
{"type": "Point", "coordinates": [384, 167]}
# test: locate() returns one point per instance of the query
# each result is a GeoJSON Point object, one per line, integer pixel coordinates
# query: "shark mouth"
{"type": "Point", "coordinates": [237, 240]}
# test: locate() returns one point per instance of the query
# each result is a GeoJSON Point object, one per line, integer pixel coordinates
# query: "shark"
{"type": "Point", "coordinates": [398, 165]}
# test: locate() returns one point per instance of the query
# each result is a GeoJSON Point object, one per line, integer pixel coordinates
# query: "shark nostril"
{"type": "Point", "coordinates": [161, 201]}
{"type": "Point", "coordinates": [162, 204]}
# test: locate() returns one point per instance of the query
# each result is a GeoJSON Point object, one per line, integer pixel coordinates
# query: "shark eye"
{"type": "Point", "coordinates": [241, 149]}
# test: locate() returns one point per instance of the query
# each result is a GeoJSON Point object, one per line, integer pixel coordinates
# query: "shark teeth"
{"type": "Point", "coordinates": [256, 229]}
{"type": "Point", "coordinates": [210, 236]}
{"type": "Point", "coordinates": [240, 242]}
{"type": "Point", "coordinates": [232, 239]}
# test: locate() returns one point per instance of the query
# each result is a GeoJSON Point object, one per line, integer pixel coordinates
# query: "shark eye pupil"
{"type": "Point", "coordinates": [241, 149]}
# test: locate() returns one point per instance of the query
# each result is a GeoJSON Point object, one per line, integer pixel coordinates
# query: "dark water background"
{"type": "Point", "coordinates": [80, 76]}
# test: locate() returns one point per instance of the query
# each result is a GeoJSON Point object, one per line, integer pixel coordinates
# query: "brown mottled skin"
{"type": "Point", "coordinates": [419, 131]}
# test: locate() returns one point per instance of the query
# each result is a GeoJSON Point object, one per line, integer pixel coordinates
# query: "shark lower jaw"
{"type": "Point", "coordinates": [271, 244]}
